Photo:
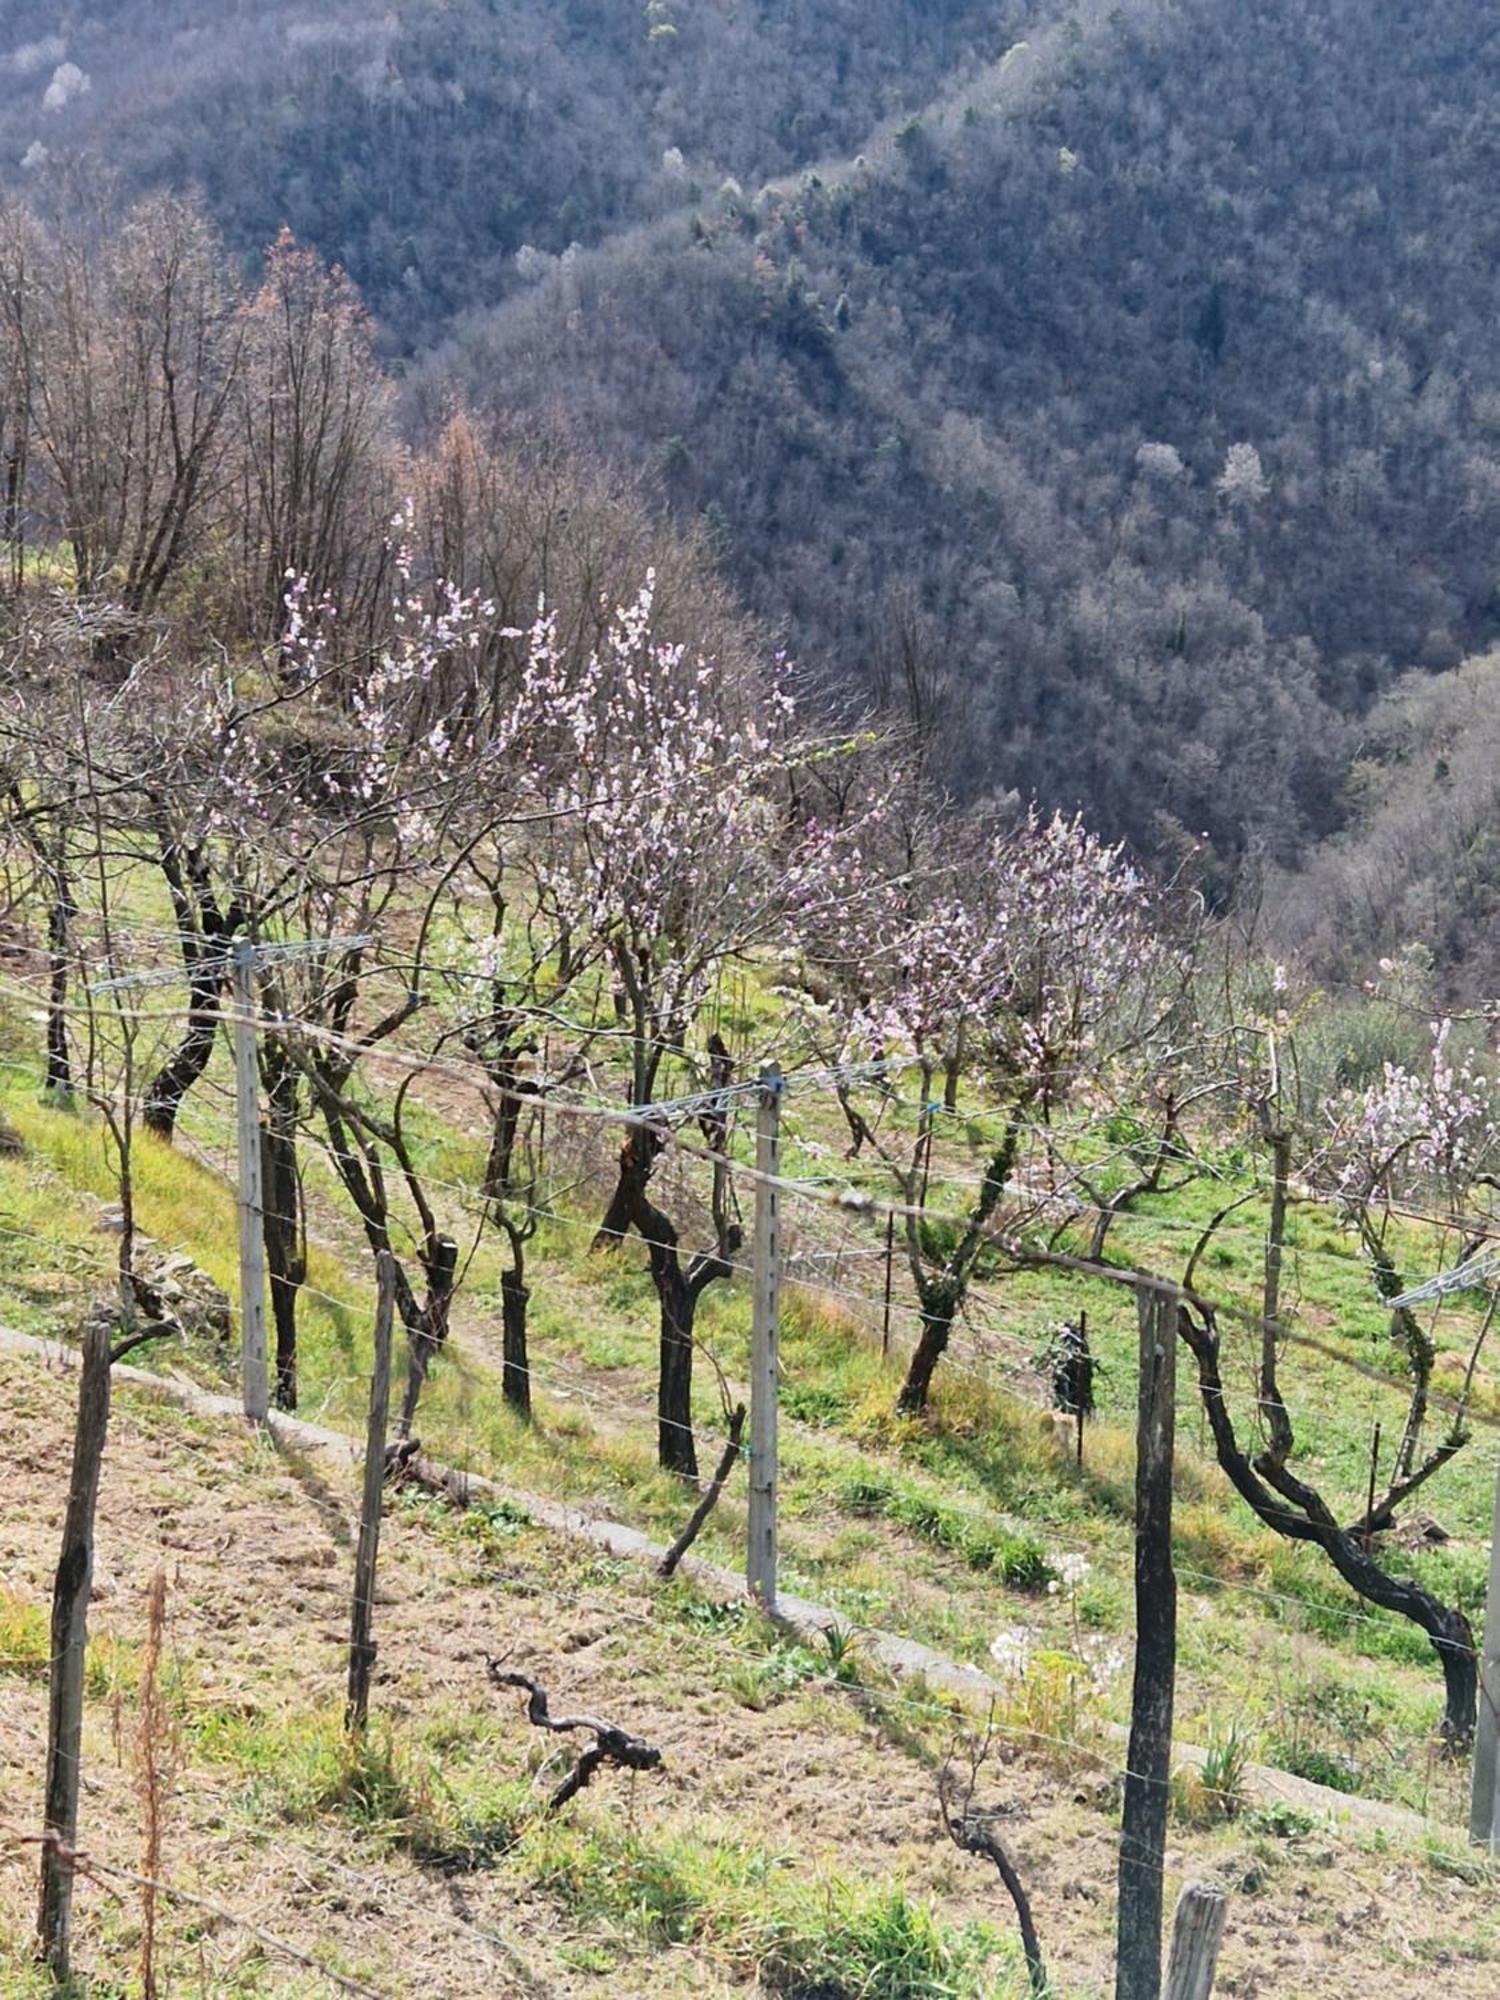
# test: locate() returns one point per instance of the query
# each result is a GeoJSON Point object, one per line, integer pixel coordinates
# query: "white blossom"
{"type": "Point", "coordinates": [68, 82]}
{"type": "Point", "coordinates": [1243, 480]}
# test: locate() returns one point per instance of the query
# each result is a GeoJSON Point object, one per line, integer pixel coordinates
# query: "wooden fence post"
{"type": "Point", "coordinates": [1143, 1834]}
{"type": "Point", "coordinates": [70, 1607]}
{"type": "Point", "coordinates": [362, 1647]}
{"type": "Point", "coordinates": [1485, 1796]}
{"type": "Point", "coordinates": [1197, 1934]}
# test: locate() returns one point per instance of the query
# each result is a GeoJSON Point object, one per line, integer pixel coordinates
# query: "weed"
{"type": "Point", "coordinates": [1101, 1603]}
{"type": "Point", "coordinates": [877, 1947]}
{"type": "Point", "coordinates": [1320, 1767]}
{"type": "Point", "coordinates": [490, 1526]}
{"type": "Point", "coordinates": [1047, 1707]}
{"type": "Point", "coordinates": [1019, 1559]}
{"type": "Point", "coordinates": [369, 1785]}
{"type": "Point", "coordinates": [867, 1493]}
{"type": "Point", "coordinates": [703, 1615]}
{"type": "Point", "coordinates": [842, 1654]}
{"type": "Point", "coordinates": [802, 1939]}
{"type": "Point", "coordinates": [1325, 1732]}
{"type": "Point", "coordinates": [1280, 1821]}
{"type": "Point", "coordinates": [25, 1643]}
{"type": "Point", "coordinates": [1224, 1761]}
{"type": "Point", "coordinates": [1123, 1128]}
{"type": "Point", "coordinates": [816, 1403]}
{"type": "Point", "coordinates": [1470, 1869]}
{"type": "Point", "coordinates": [761, 1684]}
{"type": "Point", "coordinates": [599, 1874]}
{"type": "Point", "coordinates": [1216, 1793]}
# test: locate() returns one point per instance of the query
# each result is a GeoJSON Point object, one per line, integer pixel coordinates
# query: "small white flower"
{"type": "Point", "coordinates": [1011, 1652]}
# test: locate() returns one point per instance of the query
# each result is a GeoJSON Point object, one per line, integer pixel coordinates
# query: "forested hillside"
{"type": "Point", "coordinates": [1149, 397]}
{"type": "Point", "coordinates": [1111, 389]}
{"type": "Point", "coordinates": [424, 146]}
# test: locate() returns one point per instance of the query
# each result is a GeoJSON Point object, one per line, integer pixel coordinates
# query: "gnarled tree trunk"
{"type": "Point", "coordinates": [204, 932]}
{"type": "Point", "coordinates": [61, 911]}
{"type": "Point", "coordinates": [282, 1217]}
{"type": "Point", "coordinates": [942, 1293]}
{"type": "Point", "coordinates": [426, 1325]}
{"type": "Point", "coordinates": [515, 1379]}
{"type": "Point", "coordinates": [1291, 1508]}
{"type": "Point", "coordinates": [937, 1330]}
{"type": "Point", "coordinates": [677, 1291]}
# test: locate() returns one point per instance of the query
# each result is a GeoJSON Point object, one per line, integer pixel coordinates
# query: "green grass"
{"type": "Point", "coordinates": [757, 1911]}
{"type": "Point", "coordinates": [25, 1643]}
{"type": "Point", "coordinates": [112, 1664]}
{"type": "Point", "coordinates": [949, 1529]}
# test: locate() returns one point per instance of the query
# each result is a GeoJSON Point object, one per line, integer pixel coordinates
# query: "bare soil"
{"type": "Point", "coordinates": [258, 1550]}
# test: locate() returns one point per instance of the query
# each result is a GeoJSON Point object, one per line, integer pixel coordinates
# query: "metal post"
{"type": "Point", "coordinates": [760, 1562]}
{"type": "Point", "coordinates": [1483, 1800]}
{"type": "Point", "coordinates": [890, 1251]}
{"type": "Point", "coordinates": [251, 1203]}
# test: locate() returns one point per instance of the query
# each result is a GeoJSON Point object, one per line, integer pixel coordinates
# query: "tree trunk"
{"type": "Point", "coordinates": [1273, 1409]}
{"type": "Point", "coordinates": [282, 1217]}
{"type": "Point", "coordinates": [426, 1329]}
{"type": "Point", "coordinates": [675, 1448]}
{"type": "Point", "coordinates": [59, 1082]}
{"type": "Point", "coordinates": [286, 1261]}
{"type": "Point", "coordinates": [205, 932]}
{"type": "Point", "coordinates": [1298, 1512]}
{"type": "Point", "coordinates": [1148, 1183]}
{"type": "Point", "coordinates": [937, 1327]}
{"type": "Point", "coordinates": [942, 1293]}
{"type": "Point", "coordinates": [501, 1045]}
{"type": "Point", "coordinates": [14, 518]}
{"type": "Point", "coordinates": [710, 1498]}
{"type": "Point", "coordinates": [972, 1833]}
{"type": "Point", "coordinates": [630, 1207]}
{"type": "Point", "coordinates": [182, 1070]}
{"type": "Point", "coordinates": [952, 1070]}
{"type": "Point", "coordinates": [515, 1380]}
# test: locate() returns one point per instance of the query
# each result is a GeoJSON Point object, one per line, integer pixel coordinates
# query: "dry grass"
{"type": "Point", "coordinates": [793, 1824]}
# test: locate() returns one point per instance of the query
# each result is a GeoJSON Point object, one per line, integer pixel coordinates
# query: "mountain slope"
{"type": "Point", "coordinates": [423, 147]}
{"type": "Point", "coordinates": [1148, 389]}
{"type": "Point", "coordinates": [1126, 403]}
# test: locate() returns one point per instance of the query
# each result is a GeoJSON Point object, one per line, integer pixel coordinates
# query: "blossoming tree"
{"type": "Point", "coordinates": [1419, 1134]}
{"type": "Point", "coordinates": [1007, 961]}
{"type": "Point", "coordinates": [674, 847]}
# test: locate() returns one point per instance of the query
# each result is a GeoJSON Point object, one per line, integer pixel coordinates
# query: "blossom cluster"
{"type": "Point", "coordinates": [1413, 1132]}
{"type": "Point", "coordinates": [1011, 955]}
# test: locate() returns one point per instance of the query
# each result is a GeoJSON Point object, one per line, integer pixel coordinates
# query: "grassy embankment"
{"type": "Point", "coordinates": [952, 1530]}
